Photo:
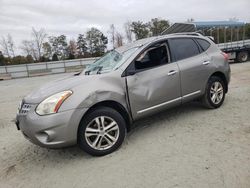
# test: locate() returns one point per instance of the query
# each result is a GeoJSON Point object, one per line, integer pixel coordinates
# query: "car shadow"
{"type": "Point", "coordinates": [151, 122]}
{"type": "Point", "coordinates": [169, 116]}
{"type": "Point", "coordinates": [42, 156]}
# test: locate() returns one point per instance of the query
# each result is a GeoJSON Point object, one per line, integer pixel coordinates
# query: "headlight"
{"type": "Point", "coordinates": [52, 104]}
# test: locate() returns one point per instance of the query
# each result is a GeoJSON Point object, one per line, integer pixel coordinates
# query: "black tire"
{"type": "Point", "coordinates": [207, 97]}
{"type": "Point", "coordinates": [83, 142]}
{"type": "Point", "coordinates": [242, 56]}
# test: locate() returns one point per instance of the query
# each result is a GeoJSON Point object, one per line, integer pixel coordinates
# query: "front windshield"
{"type": "Point", "coordinates": [109, 62]}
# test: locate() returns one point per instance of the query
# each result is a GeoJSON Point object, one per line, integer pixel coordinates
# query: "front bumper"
{"type": "Point", "coordinates": [51, 131]}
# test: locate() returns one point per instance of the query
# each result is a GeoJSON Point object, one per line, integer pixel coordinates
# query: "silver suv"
{"type": "Point", "coordinates": [96, 107]}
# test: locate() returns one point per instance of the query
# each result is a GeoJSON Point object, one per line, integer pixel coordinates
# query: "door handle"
{"type": "Point", "coordinates": [172, 72]}
{"type": "Point", "coordinates": [206, 62]}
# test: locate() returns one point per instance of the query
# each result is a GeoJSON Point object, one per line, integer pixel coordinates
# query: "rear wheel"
{"type": "Point", "coordinates": [215, 93]}
{"type": "Point", "coordinates": [102, 131]}
{"type": "Point", "coordinates": [242, 56]}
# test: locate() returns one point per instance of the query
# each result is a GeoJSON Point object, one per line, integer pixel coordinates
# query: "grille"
{"type": "Point", "coordinates": [24, 109]}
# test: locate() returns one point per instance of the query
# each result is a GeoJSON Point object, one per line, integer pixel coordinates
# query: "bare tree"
{"type": "Point", "coordinates": [128, 31]}
{"type": "Point", "coordinates": [4, 44]}
{"type": "Point", "coordinates": [29, 48]}
{"type": "Point", "coordinates": [118, 39]}
{"type": "Point", "coordinates": [39, 37]}
{"type": "Point", "coordinates": [11, 44]}
{"type": "Point", "coordinates": [25, 47]}
{"type": "Point", "coordinates": [112, 33]}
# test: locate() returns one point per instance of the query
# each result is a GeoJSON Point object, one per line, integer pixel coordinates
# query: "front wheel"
{"type": "Point", "coordinates": [215, 93]}
{"type": "Point", "coordinates": [101, 131]}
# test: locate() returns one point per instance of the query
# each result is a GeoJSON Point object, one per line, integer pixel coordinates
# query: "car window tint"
{"type": "Point", "coordinates": [203, 43]}
{"type": "Point", "coordinates": [184, 48]}
{"type": "Point", "coordinates": [154, 57]}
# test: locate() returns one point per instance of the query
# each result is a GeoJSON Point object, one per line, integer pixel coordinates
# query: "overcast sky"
{"type": "Point", "coordinates": [71, 17]}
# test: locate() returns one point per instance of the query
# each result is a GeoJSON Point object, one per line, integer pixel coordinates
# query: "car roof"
{"type": "Point", "coordinates": [146, 41]}
{"type": "Point", "coordinates": [136, 44]}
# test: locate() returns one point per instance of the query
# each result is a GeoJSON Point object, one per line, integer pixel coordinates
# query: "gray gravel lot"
{"type": "Point", "coordinates": [188, 146]}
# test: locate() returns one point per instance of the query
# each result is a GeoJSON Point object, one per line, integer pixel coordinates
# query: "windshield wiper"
{"type": "Point", "coordinates": [98, 70]}
{"type": "Point", "coordinates": [87, 72]}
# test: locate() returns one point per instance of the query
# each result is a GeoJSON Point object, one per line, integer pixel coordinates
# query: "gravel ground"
{"type": "Point", "coordinates": [188, 146]}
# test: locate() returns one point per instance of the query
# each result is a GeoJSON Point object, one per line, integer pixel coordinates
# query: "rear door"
{"type": "Point", "coordinates": [194, 65]}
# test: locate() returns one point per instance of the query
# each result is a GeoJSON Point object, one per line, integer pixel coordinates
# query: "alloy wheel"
{"type": "Point", "coordinates": [102, 133]}
{"type": "Point", "coordinates": [216, 92]}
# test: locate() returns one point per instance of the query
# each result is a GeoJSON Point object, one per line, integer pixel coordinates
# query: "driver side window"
{"type": "Point", "coordinates": [152, 57]}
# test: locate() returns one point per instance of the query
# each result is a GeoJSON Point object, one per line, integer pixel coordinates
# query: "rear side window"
{"type": "Point", "coordinates": [183, 48]}
{"type": "Point", "coordinates": [203, 43]}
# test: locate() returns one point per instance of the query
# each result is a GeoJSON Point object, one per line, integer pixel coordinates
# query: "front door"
{"type": "Point", "coordinates": [156, 83]}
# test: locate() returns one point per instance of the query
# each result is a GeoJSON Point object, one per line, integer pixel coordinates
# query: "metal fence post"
{"type": "Point", "coordinates": [27, 70]}
{"type": "Point", "coordinates": [64, 66]}
{"type": "Point", "coordinates": [81, 63]}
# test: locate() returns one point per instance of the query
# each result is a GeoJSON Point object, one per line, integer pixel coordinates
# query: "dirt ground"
{"type": "Point", "coordinates": [188, 146]}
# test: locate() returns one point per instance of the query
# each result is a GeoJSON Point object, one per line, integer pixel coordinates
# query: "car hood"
{"type": "Point", "coordinates": [63, 84]}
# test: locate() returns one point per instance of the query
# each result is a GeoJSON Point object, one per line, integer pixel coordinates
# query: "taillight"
{"type": "Point", "coordinates": [225, 55]}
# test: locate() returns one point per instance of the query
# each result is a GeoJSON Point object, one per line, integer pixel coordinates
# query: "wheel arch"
{"type": "Point", "coordinates": [222, 76]}
{"type": "Point", "coordinates": [116, 106]}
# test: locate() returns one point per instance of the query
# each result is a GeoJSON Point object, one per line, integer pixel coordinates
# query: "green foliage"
{"type": "Point", "coordinates": [72, 49]}
{"type": "Point", "coordinates": [140, 29]}
{"type": "Point", "coordinates": [55, 57]}
{"type": "Point", "coordinates": [59, 46]}
{"type": "Point", "coordinates": [29, 59]}
{"type": "Point", "coordinates": [153, 28]}
{"type": "Point", "coordinates": [71, 56]}
{"type": "Point", "coordinates": [18, 60]}
{"type": "Point", "coordinates": [47, 50]}
{"type": "Point", "coordinates": [81, 45]}
{"type": "Point", "coordinates": [15, 60]}
{"type": "Point", "coordinates": [1, 59]}
{"type": "Point", "coordinates": [97, 42]}
{"type": "Point", "coordinates": [157, 26]}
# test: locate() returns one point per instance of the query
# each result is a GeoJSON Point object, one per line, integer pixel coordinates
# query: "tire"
{"type": "Point", "coordinates": [210, 99]}
{"type": "Point", "coordinates": [101, 131]}
{"type": "Point", "coordinates": [242, 56]}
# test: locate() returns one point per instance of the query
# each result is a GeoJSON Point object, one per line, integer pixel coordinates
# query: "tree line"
{"type": "Point", "coordinates": [42, 47]}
